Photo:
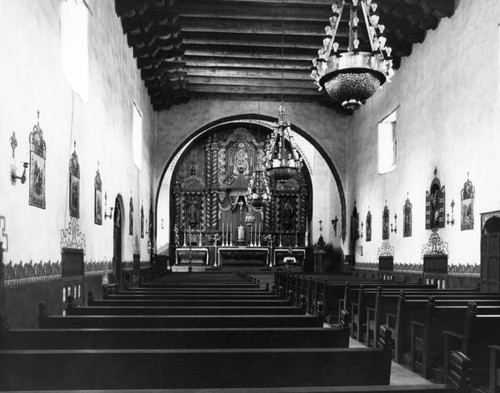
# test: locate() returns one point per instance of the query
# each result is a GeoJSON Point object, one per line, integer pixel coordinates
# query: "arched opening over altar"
{"type": "Point", "coordinates": [201, 201]}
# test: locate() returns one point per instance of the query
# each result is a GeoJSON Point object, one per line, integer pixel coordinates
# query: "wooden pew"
{"type": "Point", "coordinates": [187, 296]}
{"type": "Point", "coordinates": [183, 338]}
{"type": "Point", "coordinates": [187, 303]}
{"type": "Point", "coordinates": [182, 310]}
{"type": "Point", "coordinates": [173, 321]}
{"type": "Point", "coordinates": [412, 308]}
{"type": "Point", "coordinates": [195, 368]}
{"type": "Point", "coordinates": [427, 347]}
{"type": "Point", "coordinates": [477, 333]}
{"type": "Point", "coordinates": [386, 303]}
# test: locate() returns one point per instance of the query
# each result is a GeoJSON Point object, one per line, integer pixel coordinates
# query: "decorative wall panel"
{"type": "Point", "coordinates": [37, 167]}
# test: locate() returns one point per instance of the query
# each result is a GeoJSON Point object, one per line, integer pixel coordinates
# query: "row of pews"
{"type": "Point", "coordinates": [447, 335]}
{"type": "Point", "coordinates": [192, 332]}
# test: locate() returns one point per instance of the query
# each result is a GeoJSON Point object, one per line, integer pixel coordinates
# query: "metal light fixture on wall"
{"type": "Point", "coordinates": [106, 215]}
{"type": "Point", "coordinates": [352, 77]}
{"type": "Point", "coordinates": [281, 163]}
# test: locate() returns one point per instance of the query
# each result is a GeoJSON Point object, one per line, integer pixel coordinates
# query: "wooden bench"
{"type": "Point", "coordinates": [213, 338]}
{"type": "Point", "coordinates": [173, 321]}
{"type": "Point", "coordinates": [187, 303]}
{"type": "Point", "coordinates": [186, 296]}
{"type": "Point", "coordinates": [413, 308]}
{"type": "Point", "coordinates": [195, 368]}
{"type": "Point", "coordinates": [477, 333]}
{"type": "Point", "coordinates": [182, 310]}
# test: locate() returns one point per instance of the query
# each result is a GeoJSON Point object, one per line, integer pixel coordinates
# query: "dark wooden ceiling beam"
{"type": "Point", "coordinates": [240, 26]}
{"type": "Point", "coordinates": [253, 11]}
{"type": "Point", "coordinates": [276, 83]}
{"type": "Point", "coordinates": [247, 73]}
{"type": "Point", "coordinates": [266, 90]}
{"type": "Point", "coordinates": [254, 53]}
{"type": "Point", "coordinates": [223, 62]}
{"type": "Point", "coordinates": [256, 40]}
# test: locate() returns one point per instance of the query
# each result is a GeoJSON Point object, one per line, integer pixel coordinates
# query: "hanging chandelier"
{"type": "Point", "coordinates": [258, 193]}
{"type": "Point", "coordinates": [282, 164]}
{"type": "Point", "coordinates": [352, 77]}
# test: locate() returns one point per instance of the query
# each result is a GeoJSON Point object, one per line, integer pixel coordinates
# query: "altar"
{"type": "Point", "coordinates": [197, 255]}
{"type": "Point", "coordinates": [242, 256]}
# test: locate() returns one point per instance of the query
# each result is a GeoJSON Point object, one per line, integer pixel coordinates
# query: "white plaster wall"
{"type": "Point", "coordinates": [447, 95]}
{"type": "Point", "coordinates": [32, 79]}
{"type": "Point", "coordinates": [177, 125]}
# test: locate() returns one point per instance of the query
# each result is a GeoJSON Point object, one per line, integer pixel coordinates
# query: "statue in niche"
{"type": "Point", "coordinates": [240, 165]}
{"type": "Point", "coordinates": [385, 223]}
{"type": "Point", "coordinates": [288, 215]}
{"type": "Point", "coordinates": [193, 212]}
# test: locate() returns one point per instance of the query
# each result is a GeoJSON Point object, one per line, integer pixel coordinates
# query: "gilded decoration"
{"type": "Point", "coordinates": [385, 223]}
{"type": "Point", "coordinates": [435, 246]}
{"type": "Point", "coordinates": [386, 250]}
{"type": "Point", "coordinates": [407, 218]}
{"type": "Point", "coordinates": [38, 152]}
{"type": "Point", "coordinates": [98, 198]}
{"type": "Point", "coordinates": [435, 204]}
{"type": "Point", "coordinates": [74, 185]}
{"type": "Point", "coordinates": [409, 267]}
{"type": "Point", "coordinates": [72, 237]}
{"type": "Point", "coordinates": [467, 204]}
{"type": "Point", "coordinates": [210, 193]}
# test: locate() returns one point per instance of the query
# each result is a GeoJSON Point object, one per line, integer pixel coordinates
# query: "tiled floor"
{"type": "Point", "coordinates": [399, 374]}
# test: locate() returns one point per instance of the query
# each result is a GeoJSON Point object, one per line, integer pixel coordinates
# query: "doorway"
{"type": "Point", "coordinates": [117, 241]}
{"type": "Point", "coordinates": [490, 255]}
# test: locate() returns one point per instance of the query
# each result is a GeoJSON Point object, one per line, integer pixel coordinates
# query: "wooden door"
{"type": "Point", "coordinates": [490, 256]}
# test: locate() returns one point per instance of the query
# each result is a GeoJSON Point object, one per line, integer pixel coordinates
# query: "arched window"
{"type": "Point", "coordinates": [74, 45]}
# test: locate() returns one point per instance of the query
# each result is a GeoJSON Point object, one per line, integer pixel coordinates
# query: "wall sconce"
{"type": "Point", "coordinates": [162, 226]}
{"type": "Point", "coordinates": [451, 220]}
{"type": "Point", "coordinates": [13, 175]}
{"type": "Point", "coordinates": [106, 215]}
{"type": "Point", "coordinates": [395, 227]}
{"type": "Point", "coordinates": [320, 226]}
{"type": "Point", "coordinates": [361, 234]}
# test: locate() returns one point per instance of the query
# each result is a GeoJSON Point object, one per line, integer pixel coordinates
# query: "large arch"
{"type": "Point", "coordinates": [266, 121]}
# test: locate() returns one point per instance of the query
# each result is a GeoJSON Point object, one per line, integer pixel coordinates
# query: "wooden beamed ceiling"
{"type": "Point", "coordinates": [232, 49]}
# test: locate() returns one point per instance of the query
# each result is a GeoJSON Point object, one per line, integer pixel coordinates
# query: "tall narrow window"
{"type": "Point", "coordinates": [137, 136]}
{"type": "Point", "coordinates": [387, 144]}
{"type": "Point", "coordinates": [74, 45]}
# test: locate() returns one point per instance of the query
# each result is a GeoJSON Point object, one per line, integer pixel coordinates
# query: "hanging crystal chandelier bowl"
{"type": "Point", "coordinates": [353, 76]}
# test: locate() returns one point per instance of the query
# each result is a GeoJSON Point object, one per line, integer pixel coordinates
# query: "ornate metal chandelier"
{"type": "Point", "coordinates": [352, 77]}
{"type": "Point", "coordinates": [258, 193]}
{"type": "Point", "coordinates": [281, 163]}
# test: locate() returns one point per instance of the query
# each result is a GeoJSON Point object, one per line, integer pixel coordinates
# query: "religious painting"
{"type": "Point", "coordinates": [407, 218]}
{"type": "Point", "coordinates": [368, 236]}
{"type": "Point", "coordinates": [37, 168]}
{"type": "Point", "coordinates": [97, 198]}
{"type": "Point", "coordinates": [131, 218]}
{"type": "Point", "coordinates": [74, 186]}
{"type": "Point", "coordinates": [385, 223]}
{"type": "Point", "coordinates": [467, 199]}
{"type": "Point", "coordinates": [142, 222]}
{"type": "Point", "coordinates": [355, 223]}
{"type": "Point", "coordinates": [435, 205]}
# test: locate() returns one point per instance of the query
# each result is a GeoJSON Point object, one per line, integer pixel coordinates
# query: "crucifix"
{"type": "Point", "coordinates": [334, 223]}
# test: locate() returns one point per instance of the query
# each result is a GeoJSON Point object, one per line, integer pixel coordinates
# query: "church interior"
{"type": "Point", "coordinates": [249, 195]}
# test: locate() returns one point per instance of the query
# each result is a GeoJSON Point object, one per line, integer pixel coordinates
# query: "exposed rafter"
{"type": "Point", "coordinates": [231, 49]}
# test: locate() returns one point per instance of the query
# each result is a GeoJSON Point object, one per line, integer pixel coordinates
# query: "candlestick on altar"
{"type": "Point", "coordinates": [200, 242]}
{"type": "Point", "coordinates": [251, 238]}
{"type": "Point", "coordinates": [296, 237]}
{"type": "Point", "coordinates": [259, 232]}
{"type": "Point", "coordinates": [184, 237]}
{"type": "Point", "coordinates": [231, 235]}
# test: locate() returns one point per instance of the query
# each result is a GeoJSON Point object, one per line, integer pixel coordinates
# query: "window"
{"type": "Point", "coordinates": [387, 144]}
{"type": "Point", "coordinates": [74, 45]}
{"type": "Point", "coordinates": [137, 136]}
